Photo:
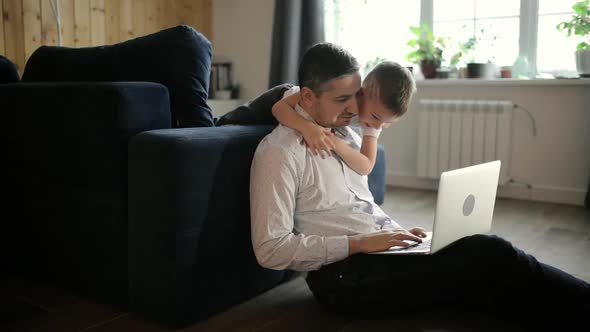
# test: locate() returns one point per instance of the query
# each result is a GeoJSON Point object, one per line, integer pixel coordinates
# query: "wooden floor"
{"type": "Point", "coordinates": [555, 234]}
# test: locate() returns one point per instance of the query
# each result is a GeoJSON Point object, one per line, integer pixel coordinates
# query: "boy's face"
{"type": "Point", "coordinates": [337, 104]}
{"type": "Point", "coordinates": [373, 113]}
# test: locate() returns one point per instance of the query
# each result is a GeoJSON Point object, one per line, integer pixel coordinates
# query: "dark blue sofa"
{"type": "Point", "coordinates": [116, 202]}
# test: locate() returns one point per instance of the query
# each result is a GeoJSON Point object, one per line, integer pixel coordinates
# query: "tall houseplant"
{"type": "Point", "coordinates": [427, 50]}
{"type": "Point", "coordinates": [579, 25]}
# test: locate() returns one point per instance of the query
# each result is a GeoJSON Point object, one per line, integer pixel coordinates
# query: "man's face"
{"type": "Point", "coordinates": [337, 104]}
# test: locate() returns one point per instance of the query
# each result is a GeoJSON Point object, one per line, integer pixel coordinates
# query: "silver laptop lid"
{"type": "Point", "coordinates": [465, 203]}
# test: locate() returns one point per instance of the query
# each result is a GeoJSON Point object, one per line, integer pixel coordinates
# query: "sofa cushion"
{"type": "Point", "coordinates": [178, 57]}
{"type": "Point", "coordinates": [257, 111]}
{"type": "Point", "coordinates": [8, 71]}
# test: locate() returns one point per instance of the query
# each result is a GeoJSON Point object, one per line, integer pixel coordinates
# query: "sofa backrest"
{"type": "Point", "coordinates": [8, 71]}
{"type": "Point", "coordinates": [178, 57]}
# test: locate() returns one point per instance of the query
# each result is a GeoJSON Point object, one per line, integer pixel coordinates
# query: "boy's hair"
{"type": "Point", "coordinates": [322, 63]}
{"type": "Point", "coordinates": [393, 84]}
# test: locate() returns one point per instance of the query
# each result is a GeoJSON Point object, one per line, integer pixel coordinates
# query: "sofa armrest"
{"type": "Point", "coordinates": [68, 172]}
{"type": "Point", "coordinates": [190, 252]}
{"type": "Point", "coordinates": [124, 107]}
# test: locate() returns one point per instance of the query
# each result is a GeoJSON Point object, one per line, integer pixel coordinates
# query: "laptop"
{"type": "Point", "coordinates": [464, 206]}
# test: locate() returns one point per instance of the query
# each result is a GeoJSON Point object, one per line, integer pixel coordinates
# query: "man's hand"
{"type": "Point", "coordinates": [418, 231]}
{"type": "Point", "coordinates": [318, 140]}
{"type": "Point", "coordinates": [382, 240]}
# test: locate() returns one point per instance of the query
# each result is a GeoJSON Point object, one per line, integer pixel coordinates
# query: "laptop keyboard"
{"type": "Point", "coordinates": [417, 246]}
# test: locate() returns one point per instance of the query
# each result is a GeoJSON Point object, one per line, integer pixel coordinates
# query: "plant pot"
{"type": "Point", "coordinates": [428, 69]}
{"type": "Point", "coordinates": [506, 72]}
{"type": "Point", "coordinates": [583, 63]}
{"type": "Point", "coordinates": [442, 73]}
{"type": "Point", "coordinates": [480, 70]}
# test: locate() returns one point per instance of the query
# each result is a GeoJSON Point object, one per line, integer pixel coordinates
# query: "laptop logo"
{"type": "Point", "coordinates": [468, 205]}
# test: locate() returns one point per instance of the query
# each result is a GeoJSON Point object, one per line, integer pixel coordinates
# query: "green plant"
{"type": "Point", "coordinates": [579, 24]}
{"type": "Point", "coordinates": [426, 47]}
{"type": "Point", "coordinates": [478, 47]}
{"type": "Point", "coordinates": [465, 50]}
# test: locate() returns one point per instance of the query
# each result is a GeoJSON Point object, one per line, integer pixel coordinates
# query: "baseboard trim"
{"type": "Point", "coordinates": [538, 193]}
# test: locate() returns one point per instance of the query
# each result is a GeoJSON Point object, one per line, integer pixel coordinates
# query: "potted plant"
{"type": "Point", "coordinates": [580, 25]}
{"type": "Point", "coordinates": [464, 50]}
{"type": "Point", "coordinates": [427, 50]}
{"type": "Point", "coordinates": [479, 64]}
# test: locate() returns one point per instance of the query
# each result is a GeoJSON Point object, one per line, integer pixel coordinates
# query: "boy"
{"type": "Point", "coordinates": [384, 97]}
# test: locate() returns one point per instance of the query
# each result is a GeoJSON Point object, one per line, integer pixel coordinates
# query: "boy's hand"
{"type": "Point", "coordinates": [318, 140]}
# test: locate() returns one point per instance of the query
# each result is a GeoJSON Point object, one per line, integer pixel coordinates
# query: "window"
{"type": "Point", "coordinates": [505, 29]}
{"type": "Point", "coordinates": [372, 28]}
{"type": "Point", "coordinates": [555, 51]}
{"type": "Point", "coordinates": [492, 23]}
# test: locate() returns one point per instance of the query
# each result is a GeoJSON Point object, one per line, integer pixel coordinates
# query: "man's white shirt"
{"type": "Point", "coordinates": [304, 207]}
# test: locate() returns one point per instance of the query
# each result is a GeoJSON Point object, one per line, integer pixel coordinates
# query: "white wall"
{"type": "Point", "coordinates": [556, 163]}
{"type": "Point", "coordinates": [242, 32]}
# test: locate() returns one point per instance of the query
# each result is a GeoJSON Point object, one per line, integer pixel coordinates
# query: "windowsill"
{"type": "Point", "coordinates": [501, 82]}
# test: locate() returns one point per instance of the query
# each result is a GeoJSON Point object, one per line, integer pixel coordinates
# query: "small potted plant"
{"type": "Point", "coordinates": [427, 52]}
{"type": "Point", "coordinates": [479, 64]}
{"type": "Point", "coordinates": [580, 25]}
{"type": "Point", "coordinates": [463, 50]}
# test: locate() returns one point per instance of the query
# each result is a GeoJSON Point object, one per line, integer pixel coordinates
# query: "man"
{"type": "Point", "coordinates": [314, 214]}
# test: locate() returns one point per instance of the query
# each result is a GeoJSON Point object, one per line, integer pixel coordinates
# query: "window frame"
{"type": "Point", "coordinates": [528, 31]}
{"type": "Point", "coordinates": [528, 27]}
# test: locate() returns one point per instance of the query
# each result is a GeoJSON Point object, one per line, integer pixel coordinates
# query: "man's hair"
{"type": "Point", "coordinates": [322, 63]}
{"type": "Point", "coordinates": [393, 84]}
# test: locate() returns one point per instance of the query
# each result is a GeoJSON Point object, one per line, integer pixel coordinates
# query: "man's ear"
{"type": "Point", "coordinates": [308, 97]}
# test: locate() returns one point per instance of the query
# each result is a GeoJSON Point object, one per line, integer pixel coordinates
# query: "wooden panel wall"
{"type": "Point", "coordinates": [27, 24]}
{"type": "Point", "coordinates": [1, 29]}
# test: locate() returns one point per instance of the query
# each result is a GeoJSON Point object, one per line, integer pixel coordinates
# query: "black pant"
{"type": "Point", "coordinates": [479, 272]}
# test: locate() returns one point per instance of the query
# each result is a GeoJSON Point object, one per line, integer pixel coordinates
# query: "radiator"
{"type": "Point", "coordinates": [460, 133]}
